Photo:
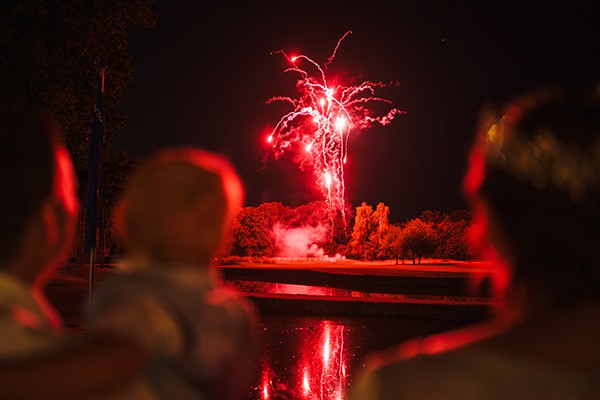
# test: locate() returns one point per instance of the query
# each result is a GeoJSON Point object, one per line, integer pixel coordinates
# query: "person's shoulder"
{"type": "Point", "coordinates": [22, 332]}
{"type": "Point", "coordinates": [442, 345]}
{"type": "Point", "coordinates": [449, 342]}
{"type": "Point", "coordinates": [403, 372]}
{"type": "Point", "coordinates": [421, 366]}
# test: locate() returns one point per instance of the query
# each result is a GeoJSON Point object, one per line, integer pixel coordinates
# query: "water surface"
{"type": "Point", "coordinates": [314, 358]}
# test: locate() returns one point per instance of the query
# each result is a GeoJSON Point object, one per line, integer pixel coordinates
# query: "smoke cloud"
{"type": "Point", "coordinates": [300, 241]}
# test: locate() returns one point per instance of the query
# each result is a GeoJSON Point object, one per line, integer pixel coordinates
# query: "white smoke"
{"type": "Point", "coordinates": [335, 258]}
{"type": "Point", "coordinates": [301, 241]}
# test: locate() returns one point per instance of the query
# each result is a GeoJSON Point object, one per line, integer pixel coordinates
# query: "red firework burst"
{"type": "Point", "coordinates": [321, 121]}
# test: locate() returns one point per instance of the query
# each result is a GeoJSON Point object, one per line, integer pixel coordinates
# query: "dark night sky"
{"type": "Point", "coordinates": [203, 75]}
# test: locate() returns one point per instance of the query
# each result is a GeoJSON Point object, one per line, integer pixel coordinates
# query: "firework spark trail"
{"type": "Point", "coordinates": [318, 127]}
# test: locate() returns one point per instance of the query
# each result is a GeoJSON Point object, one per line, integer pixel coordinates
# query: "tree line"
{"type": "Point", "coordinates": [53, 52]}
{"type": "Point", "coordinates": [369, 236]}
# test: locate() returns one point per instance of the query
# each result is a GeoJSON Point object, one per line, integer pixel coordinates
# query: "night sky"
{"type": "Point", "coordinates": [204, 73]}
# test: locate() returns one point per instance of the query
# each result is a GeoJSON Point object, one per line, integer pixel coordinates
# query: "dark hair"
{"type": "Point", "coordinates": [28, 142]}
{"type": "Point", "coordinates": [540, 178]}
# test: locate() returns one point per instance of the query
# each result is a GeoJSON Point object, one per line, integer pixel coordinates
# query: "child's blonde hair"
{"type": "Point", "coordinates": [178, 206]}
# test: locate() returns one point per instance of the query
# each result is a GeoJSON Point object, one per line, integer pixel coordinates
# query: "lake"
{"type": "Point", "coordinates": [355, 308]}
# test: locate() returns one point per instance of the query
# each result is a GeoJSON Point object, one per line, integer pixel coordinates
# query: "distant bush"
{"type": "Point", "coordinates": [262, 260]}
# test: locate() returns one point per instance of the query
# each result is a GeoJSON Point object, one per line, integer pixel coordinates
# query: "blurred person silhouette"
{"type": "Point", "coordinates": [174, 218]}
{"type": "Point", "coordinates": [534, 179]}
{"type": "Point", "coordinates": [39, 207]}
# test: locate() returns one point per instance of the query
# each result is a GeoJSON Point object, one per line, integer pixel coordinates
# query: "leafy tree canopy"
{"type": "Point", "coordinates": [53, 52]}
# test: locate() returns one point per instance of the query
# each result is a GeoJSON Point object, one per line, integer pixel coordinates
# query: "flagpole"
{"type": "Point", "coordinates": [93, 248]}
{"type": "Point", "coordinates": [91, 278]}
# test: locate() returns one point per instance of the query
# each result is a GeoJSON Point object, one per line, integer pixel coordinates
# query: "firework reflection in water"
{"type": "Point", "coordinates": [319, 374]}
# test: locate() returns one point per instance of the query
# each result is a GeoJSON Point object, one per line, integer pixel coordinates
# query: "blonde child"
{"type": "Point", "coordinates": [174, 217]}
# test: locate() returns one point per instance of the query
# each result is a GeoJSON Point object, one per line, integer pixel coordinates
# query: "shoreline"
{"type": "Point", "coordinates": [379, 290]}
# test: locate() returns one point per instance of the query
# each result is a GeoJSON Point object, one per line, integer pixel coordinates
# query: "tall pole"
{"type": "Point", "coordinates": [91, 278]}
{"type": "Point", "coordinates": [96, 139]}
